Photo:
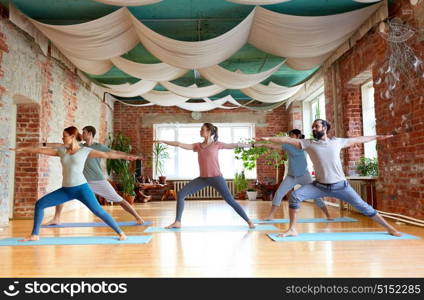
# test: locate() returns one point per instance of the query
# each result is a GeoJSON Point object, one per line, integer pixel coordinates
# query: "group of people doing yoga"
{"type": "Point", "coordinates": [83, 176]}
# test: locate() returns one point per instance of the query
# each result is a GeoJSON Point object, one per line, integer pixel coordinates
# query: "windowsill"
{"type": "Point", "coordinates": [357, 177]}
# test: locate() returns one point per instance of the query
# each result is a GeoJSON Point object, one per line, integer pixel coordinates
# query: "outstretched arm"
{"type": "Point", "coordinates": [49, 145]}
{"type": "Point", "coordinates": [271, 146]}
{"type": "Point", "coordinates": [365, 139]}
{"type": "Point", "coordinates": [112, 155]}
{"type": "Point", "coordinates": [45, 151]}
{"type": "Point", "coordinates": [283, 140]}
{"type": "Point", "coordinates": [176, 144]}
{"type": "Point", "coordinates": [235, 145]}
{"type": "Point", "coordinates": [124, 153]}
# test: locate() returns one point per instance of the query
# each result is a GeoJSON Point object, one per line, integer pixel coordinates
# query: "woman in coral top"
{"type": "Point", "coordinates": [210, 174]}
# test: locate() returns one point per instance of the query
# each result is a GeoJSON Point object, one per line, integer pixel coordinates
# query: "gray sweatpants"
{"type": "Point", "coordinates": [290, 182]}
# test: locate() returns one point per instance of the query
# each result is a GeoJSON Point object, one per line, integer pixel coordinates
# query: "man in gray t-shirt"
{"type": "Point", "coordinates": [94, 174]}
{"type": "Point", "coordinates": [330, 179]}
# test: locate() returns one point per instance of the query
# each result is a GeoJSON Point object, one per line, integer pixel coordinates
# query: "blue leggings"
{"type": "Point", "coordinates": [199, 183]}
{"type": "Point", "coordinates": [82, 193]}
{"type": "Point", "coordinates": [340, 190]}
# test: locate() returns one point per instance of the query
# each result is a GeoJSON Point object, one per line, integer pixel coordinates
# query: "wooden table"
{"type": "Point", "coordinates": [143, 191]}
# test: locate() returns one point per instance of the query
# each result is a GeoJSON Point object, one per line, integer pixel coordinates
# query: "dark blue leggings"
{"type": "Point", "coordinates": [82, 193]}
{"type": "Point", "coordinates": [199, 183]}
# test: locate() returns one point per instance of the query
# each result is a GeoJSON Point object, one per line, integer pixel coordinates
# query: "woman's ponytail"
{"type": "Point", "coordinates": [213, 130]}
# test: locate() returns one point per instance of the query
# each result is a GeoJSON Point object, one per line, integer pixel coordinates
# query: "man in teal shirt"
{"type": "Point", "coordinates": [94, 174]}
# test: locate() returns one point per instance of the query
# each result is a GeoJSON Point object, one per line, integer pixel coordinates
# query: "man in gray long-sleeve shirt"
{"type": "Point", "coordinates": [330, 179]}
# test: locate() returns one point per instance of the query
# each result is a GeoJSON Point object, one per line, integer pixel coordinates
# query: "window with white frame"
{"type": "Point", "coordinates": [313, 108]}
{"type": "Point", "coordinates": [368, 118]}
{"type": "Point", "coordinates": [182, 164]}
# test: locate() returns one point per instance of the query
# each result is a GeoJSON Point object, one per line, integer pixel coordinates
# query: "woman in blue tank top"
{"type": "Point", "coordinates": [74, 184]}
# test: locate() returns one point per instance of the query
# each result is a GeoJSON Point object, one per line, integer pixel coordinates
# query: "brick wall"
{"type": "Point", "coordinates": [27, 165]}
{"type": "Point", "coordinates": [352, 124]}
{"type": "Point", "coordinates": [129, 121]}
{"type": "Point", "coordinates": [57, 98]}
{"type": "Point", "coordinates": [5, 157]}
{"type": "Point", "coordinates": [400, 187]}
{"type": "Point", "coordinates": [296, 116]}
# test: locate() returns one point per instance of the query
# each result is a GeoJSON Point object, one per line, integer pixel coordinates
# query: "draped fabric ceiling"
{"type": "Point", "coordinates": [95, 47]}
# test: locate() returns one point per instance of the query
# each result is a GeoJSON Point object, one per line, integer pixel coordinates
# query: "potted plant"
{"type": "Point", "coordinates": [240, 184]}
{"type": "Point", "coordinates": [250, 155]}
{"type": "Point", "coordinates": [367, 166]}
{"type": "Point", "coordinates": [122, 171]}
{"type": "Point", "coordinates": [252, 194]}
{"type": "Point", "coordinates": [159, 155]}
{"type": "Point", "coordinates": [114, 167]}
{"type": "Point", "coordinates": [276, 159]}
{"type": "Point", "coordinates": [127, 180]}
{"type": "Point", "coordinates": [272, 158]}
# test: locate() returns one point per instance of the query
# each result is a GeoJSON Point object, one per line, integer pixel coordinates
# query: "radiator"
{"type": "Point", "coordinates": [360, 187]}
{"type": "Point", "coordinates": [205, 193]}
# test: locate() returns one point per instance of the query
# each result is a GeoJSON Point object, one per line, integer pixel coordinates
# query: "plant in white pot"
{"type": "Point", "coordinates": [252, 194]}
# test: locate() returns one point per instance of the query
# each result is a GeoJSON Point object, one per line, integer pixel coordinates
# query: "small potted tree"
{"type": "Point", "coordinates": [272, 158]}
{"type": "Point", "coordinates": [120, 170]}
{"type": "Point", "coordinates": [127, 180]}
{"type": "Point", "coordinates": [159, 155]}
{"type": "Point", "coordinates": [240, 184]}
{"type": "Point", "coordinates": [114, 167]}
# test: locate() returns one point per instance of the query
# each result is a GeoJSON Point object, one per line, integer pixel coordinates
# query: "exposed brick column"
{"type": "Point", "coordinates": [46, 97]}
{"type": "Point", "coordinates": [352, 124]}
{"type": "Point", "coordinates": [103, 124]}
{"type": "Point", "coordinates": [295, 116]}
{"type": "Point", "coordinates": [70, 98]}
{"type": "Point", "coordinates": [27, 165]}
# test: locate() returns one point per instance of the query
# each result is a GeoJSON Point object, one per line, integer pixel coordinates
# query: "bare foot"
{"type": "Point", "coordinates": [290, 232]}
{"type": "Point", "coordinates": [269, 218]}
{"type": "Point", "coordinates": [251, 225]}
{"type": "Point", "coordinates": [52, 222]}
{"type": "Point", "coordinates": [30, 238]}
{"type": "Point", "coordinates": [176, 224]}
{"type": "Point", "coordinates": [122, 236]}
{"type": "Point", "coordinates": [394, 232]}
{"type": "Point", "coordinates": [139, 220]}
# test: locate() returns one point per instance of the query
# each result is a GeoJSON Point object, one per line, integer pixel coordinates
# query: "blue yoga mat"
{"type": "Point", "coordinates": [341, 236]}
{"type": "Point", "coordinates": [211, 228]}
{"type": "Point", "coordinates": [312, 220]}
{"type": "Point", "coordinates": [95, 224]}
{"type": "Point", "coordinates": [78, 240]}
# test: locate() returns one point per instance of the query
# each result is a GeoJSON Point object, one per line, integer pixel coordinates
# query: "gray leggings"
{"type": "Point", "coordinates": [290, 182]}
{"type": "Point", "coordinates": [199, 183]}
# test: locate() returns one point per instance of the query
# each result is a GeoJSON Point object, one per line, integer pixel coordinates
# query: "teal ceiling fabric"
{"type": "Point", "coordinates": [189, 21]}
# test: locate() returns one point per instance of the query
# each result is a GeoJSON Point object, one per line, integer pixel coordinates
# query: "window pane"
{"type": "Point", "coordinates": [224, 134]}
{"type": "Point", "coordinates": [187, 166]}
{"type": "Point", "coordinates": [368, 119]}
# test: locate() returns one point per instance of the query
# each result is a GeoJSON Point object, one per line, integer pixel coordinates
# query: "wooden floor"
{"type": "Point", "coordinates": [213, 254]}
